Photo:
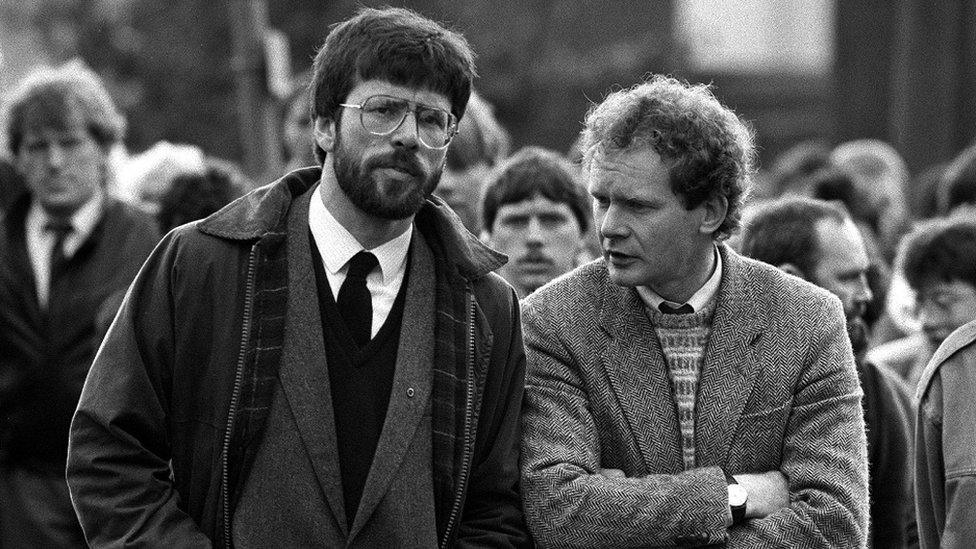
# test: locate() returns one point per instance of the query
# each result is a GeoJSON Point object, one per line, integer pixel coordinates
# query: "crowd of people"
{"type": "Point", "coordinates": [420, 337]}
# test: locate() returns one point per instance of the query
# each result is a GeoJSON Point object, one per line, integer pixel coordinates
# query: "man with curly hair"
{"type": "Point", "coordinates": [678, 393]}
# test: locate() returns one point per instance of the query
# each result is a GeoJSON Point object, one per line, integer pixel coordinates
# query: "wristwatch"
{"type": "Point", "coordinates": [738, 498]}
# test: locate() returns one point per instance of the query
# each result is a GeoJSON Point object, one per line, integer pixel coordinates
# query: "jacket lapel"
{"type": "Point", "coordinates": [639, 377]}
{"type": "Point", "coordinates": [304, 373]}
{"type": "Point", "coordinates": [413, 370]}
{"type": "Point", "coordinates": [729, 367]}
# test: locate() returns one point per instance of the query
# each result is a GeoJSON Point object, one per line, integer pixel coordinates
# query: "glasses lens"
{"type": "Point", "coordinates": [382, 114]}
{"type": "Point", "coordinates": [435, 127]}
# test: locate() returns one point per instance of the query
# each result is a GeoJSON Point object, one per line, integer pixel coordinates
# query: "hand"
{"type": "Point", "coordinates": [611, 473]}
{"type": "Point", "coordinates": [768, 493]}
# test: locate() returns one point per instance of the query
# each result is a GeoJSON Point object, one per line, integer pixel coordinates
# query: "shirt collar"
{"type": "Point", "coordinates": [83, 221]}
{"type": "Point", "coordinates": [700, 298]}
{"type": "Point", "coordinates": [391, 255]}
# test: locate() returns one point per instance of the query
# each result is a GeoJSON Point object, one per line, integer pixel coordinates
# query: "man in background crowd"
{"type": "Point", "coordinates": [481, 143]}
{"type": "Point", "coordinates": [67, 248]}
{"type": "Point", "coordinates": [818, 242]}
{"type": "Point", "coordinates": [537, 214]}
{"type": "Point", "coordinates": [936, 259]}
{"type": "Point", "coordinates": [945, 445]}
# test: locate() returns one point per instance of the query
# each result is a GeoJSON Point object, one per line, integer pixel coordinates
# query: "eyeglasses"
{"type": "Point", "coordinates": [382, 115]}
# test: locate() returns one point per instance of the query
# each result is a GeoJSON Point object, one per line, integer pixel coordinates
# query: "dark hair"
{"type": "Point", "coordinates": [480, 139]}
{"type": "Point", "coordinates": [832, 183]}
{"type": "Point", "coordinates": [940, 250]}
{"type": "Point", "coordinates": [707, 149]}
{"type": "Point", "coordinates": [535, 171]}
{"type": "Point", "coordinates": [58, 97]}
{"type": "Point", "coordinates": [393, 44]}
{"type": "Point", "coordinates": [791, 167]}
{"type": "Point", "coordinates": [960, 180]}
{"type": "Point", "coordinates": [193, 196]}
{"type": "Point", "coordinates": [784, 231]}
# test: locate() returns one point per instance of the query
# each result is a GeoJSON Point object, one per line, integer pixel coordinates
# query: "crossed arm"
{"type": "Point", "coordinates": [570, 500]}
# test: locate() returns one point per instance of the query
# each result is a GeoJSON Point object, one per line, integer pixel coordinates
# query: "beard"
{"type": "Point", "coordinates": [858, 332]}
{"type": "Point", "coordinates": [358, 183]}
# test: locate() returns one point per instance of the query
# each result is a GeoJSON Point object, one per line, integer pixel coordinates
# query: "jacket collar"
{"type": "Point", "coordinates": [254, 214]}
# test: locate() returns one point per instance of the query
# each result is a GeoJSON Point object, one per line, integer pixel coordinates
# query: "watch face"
{"type": "Point", "coordinates": [737, 495]}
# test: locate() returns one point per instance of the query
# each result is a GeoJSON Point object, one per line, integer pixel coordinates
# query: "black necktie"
{"type": "Point", "coordinates": [354, 301]}
{"type": "Point", "coordinates": [669, 310]}
{"type": "Point", "coordinates": [61, 228]}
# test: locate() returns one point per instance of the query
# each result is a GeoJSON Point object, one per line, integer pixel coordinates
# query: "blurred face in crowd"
{"type": "Point", "coordinates": [386, 176]}
{"type": "Point", "coordinates": [943, 306]}
{"type": "Point", "coordinates": [842, 270]}
{"type": "Point", "coordinates": [541, 238]}
{"type": "Point", "coordinates": [63, 165]}
{"type": "Point", "coordinates": [648, 236]}
{"type": "Point", "coordinates": [461, 189]}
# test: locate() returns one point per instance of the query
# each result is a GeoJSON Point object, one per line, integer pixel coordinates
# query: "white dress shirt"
{"type": "Point", "coordinates": [698, 300]}
{"type": "Point", "coordinates": [40, 241]}
{"type": "Point", "coordinates": [337, 246]}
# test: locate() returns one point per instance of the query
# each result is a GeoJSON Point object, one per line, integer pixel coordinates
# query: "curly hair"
{"type": "Point", "coordinates": [707, 149]}
{"type": "Point", "coordinates": [56, 98]}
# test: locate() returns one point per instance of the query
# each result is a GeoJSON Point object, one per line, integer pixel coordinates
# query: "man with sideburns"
{"type": "Point", "coordinates": [329, 360]}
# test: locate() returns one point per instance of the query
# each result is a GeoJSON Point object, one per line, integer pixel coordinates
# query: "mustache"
{"type": "Point", "coordinates": [399, 159]}
{"type": "Point", "coordinates": [535, 257]}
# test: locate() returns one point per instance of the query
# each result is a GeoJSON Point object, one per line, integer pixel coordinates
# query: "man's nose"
{"type": "Point", "coordinates": [56, 155]}
{"type": "Point", "coordinates": [406, 135]}
{"type": "Point", "coordinates": [612, 226]}
{"type": "Point", "coordinates": [534, 232]}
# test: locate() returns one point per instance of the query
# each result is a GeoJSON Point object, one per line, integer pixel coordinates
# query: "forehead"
{"type": "Point", "coordinates": [955, 287]}
{"type": "Point", "coordinates": [537, 205]}
{"type": "Point", "coordinates": [841, 242]}
{"type": "Point", "coordinates": [366, 88]}
{"type": "Point", "coordinates": [633, 172]}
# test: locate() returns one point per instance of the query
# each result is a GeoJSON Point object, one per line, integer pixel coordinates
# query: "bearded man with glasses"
{"type": "Point", "coordinates": [329, 360]}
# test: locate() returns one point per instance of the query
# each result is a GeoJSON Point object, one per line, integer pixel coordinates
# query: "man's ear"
{"type": "Point", "coordinates": [792, 269]}
{"type": "Point", "coordinates": [324, 131]}
{"type": "Point", "coordinates": [715, 210]}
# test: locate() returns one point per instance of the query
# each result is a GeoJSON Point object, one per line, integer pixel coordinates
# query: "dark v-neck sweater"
{"type": "Point", "coordinates": [360, 380]}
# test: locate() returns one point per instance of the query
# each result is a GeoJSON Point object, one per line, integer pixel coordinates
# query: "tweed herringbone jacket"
{"type": "Point", "coordinates": [778, 391]}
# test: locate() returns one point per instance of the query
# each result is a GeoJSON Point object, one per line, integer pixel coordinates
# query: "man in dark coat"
{"type": "Point", "coordinates": [68, 250]}
{"type": "Point", "coordinates": [329, 360]}
{"type": "Point", "coordinates": [819, 242]}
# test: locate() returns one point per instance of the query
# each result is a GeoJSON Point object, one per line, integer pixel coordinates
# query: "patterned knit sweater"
{"type": "Point", "coordinates": [683, 339]}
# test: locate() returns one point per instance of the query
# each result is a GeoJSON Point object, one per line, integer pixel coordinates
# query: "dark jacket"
{"type": "Point", "coordinates": [45, 352]}
{"type": "Point", "coordinates": [174, 407]}
{"type": "Point", "coordinates": [945, 445]}
{"type": "Point", "coordinates": [888, 420]}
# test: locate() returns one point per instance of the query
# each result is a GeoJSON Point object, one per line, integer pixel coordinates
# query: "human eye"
{"type": "Point", "coordinates": [601, 201]}
{"type": "Point", "coordinates": [435, 118]}
{"type": "Point", "coordinates": [384, 106]}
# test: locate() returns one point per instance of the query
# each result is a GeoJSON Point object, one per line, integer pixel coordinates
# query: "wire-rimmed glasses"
{"type": "Point", "coordinates": [383, 114]}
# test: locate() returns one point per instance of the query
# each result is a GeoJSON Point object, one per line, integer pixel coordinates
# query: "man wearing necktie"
{"type": "Point", "coordinates": [678, 394]}
{"type": "Point", "coordinates": [68, 250]}
{"type": "Point", "coordinates": [330, 360]}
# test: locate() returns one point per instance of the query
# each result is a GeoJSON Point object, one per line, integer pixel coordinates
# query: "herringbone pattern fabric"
{"type": "Point", "coordinates": [777, 391]}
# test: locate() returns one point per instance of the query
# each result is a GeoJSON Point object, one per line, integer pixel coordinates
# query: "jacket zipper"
{"type": "Point", "coordinates": [468, 412]}
{"type": "Point", "coordinates": [236, 393]}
